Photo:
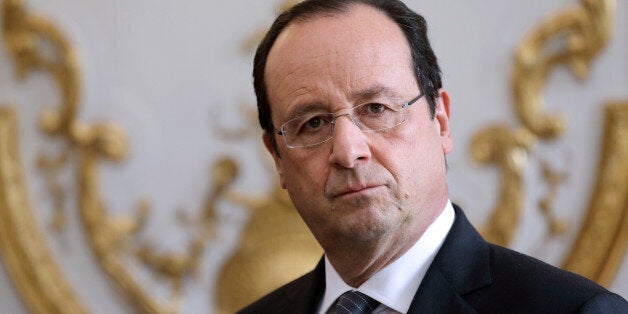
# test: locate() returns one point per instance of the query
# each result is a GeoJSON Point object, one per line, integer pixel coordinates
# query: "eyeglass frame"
{"type": "Point", "coordinates": [405, 106]}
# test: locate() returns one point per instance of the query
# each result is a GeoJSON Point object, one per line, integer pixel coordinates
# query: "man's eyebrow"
{"type": "Point", "coordinates": [373, 92]}
{"type": "Point", "coordinates": [300, 110]}
{"type": "Point", "coordinates": [368, 93]}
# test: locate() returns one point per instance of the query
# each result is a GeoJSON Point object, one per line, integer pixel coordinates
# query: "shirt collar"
{"type": "Point", "coordinates": [395, 285]}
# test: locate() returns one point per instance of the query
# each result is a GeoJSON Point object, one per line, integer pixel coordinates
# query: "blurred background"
{"type": "Point", "coordinates": [132, 175]}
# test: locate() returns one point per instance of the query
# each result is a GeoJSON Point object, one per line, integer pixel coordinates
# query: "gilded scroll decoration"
{"type": "Point", "coordinates": [51, 168]}
{"type": "Point", "coordinates": [580, 33]}
{"type": "Point", "coordinates": [23, 35]}
{"type": "Point", "coordinates": [553, 178]}
{"type": "Point", "coordinates": [603, 238]}
{"type": "Point", "coordinates": [90, 144]}
{"type": "Point", "coordinates": [498, 145]}
{"type": "Point", "coordinates": [30, 263]}
{"type": "Point", "coordinates": [177, 267]}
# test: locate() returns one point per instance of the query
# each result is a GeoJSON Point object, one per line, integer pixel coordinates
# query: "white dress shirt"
{"type": "Point", "coordinates": [394, 286]}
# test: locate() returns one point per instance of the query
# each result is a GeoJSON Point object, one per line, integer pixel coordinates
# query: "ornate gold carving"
{"type": "Point", "coordinates": [24, 35]}
{"type": "Point", "coordinates": [580, 32]}
{"type": "Point", "coordinates": [26, 257]}
{"type": "Point", "coordinates": [498, 145]}
{"type": "Point", "coordinates": [176, 267]}
{"type": "Point", "coordinates": [553, 179]}
{"type": "Point", "coordinates": [603, 238]}
{"type": "Point", "coordinates": [51, 168]}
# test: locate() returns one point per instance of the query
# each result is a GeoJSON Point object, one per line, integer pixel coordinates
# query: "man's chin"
{"type": "Point", "coordinates": [366, 226]}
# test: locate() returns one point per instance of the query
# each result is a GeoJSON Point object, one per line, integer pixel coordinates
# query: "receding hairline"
{"type": "Point", "coordinates": [337, 13]}
{"type": "Point", "coordinates": [342, 9]}
{"type": "Point", "coordinates": [328, 11]}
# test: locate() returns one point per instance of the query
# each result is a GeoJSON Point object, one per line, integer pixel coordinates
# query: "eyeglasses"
{"type": "Point", "coordinates": [316, 128]}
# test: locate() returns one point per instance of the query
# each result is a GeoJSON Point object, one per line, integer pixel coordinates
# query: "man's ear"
{"type": "Point", "coordinates": [270, 147]}
{"type": "Point", "coordinates": [441, 116]}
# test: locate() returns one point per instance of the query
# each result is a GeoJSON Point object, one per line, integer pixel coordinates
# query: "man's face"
{"type": "Point", "coordinates": [360, 186]}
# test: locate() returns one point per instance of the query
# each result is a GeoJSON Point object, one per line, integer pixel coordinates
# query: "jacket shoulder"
{"type": "Point", "coordinates": [526, 283]}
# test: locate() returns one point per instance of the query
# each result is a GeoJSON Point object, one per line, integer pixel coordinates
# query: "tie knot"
{"type": "Point", "coordinates": [353, 302]}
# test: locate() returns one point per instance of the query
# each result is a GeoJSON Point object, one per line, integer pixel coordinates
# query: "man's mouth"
{"type": "Point", "coordinates": [355, 190]}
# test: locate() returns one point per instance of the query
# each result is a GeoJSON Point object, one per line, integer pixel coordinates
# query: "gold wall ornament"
{"type": "Point", "coordinates": [580, 32]}
{"type": "Point", "coordinates": [24, 35]}
{"type": "Point", "coordinates": [508, 149]}
{"type": "Point", "coordinates": [553, 179]}
{"type": "Point", "coordinates": [51, 167]}
{"type": "Point", "coordinates": [109, 236]}
{"type": "Point", "coordinates": [603, 238]}
{"type": "Point", "coordinates": [177, 267]}
{"type": "Point", "coordinates": [37, 277]}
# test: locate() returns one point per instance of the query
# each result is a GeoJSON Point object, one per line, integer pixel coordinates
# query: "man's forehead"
{"type": "Point", "coordinates": [362, 33]}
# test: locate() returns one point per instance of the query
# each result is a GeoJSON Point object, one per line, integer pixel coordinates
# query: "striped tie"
{"type": "Point", "coordinates": [353, 302]}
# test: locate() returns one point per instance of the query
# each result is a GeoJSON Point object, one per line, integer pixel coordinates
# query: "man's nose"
{"type": "Point", "coordinates": [350, 144]}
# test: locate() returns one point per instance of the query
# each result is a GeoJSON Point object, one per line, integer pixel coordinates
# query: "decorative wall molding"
{"type": "Point", "coordinates": [109, 236]}
{"type": "Point", "coordinates": [28, 260]}
{"type": "Point", "coordinates": [572, 37]}
{"type": "Point", "coordinates": [603, 237]}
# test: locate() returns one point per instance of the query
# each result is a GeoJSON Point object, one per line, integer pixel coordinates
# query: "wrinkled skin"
{"type": "Point", "coordinates": [366, 197]}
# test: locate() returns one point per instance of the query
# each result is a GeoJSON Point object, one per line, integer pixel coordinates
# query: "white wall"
{"type": "Point", "coordinates": [170, 72]}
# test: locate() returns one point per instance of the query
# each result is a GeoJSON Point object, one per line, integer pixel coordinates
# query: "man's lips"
{"type": "Point", "coordinates": [355, 190]}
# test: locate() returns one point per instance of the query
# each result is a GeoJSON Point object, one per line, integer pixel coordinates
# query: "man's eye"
{"type": "Point", "coordinates": [313, 123]}
{"type": "Point", "coordinates": [373, 108]}
{"type": "Point", "coordinates": [376, 108]}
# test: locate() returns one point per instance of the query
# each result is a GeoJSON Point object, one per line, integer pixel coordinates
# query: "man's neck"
{"type": "Point", "coordinates": [395, 284]}
{"type": "Point", "coordinates": [359, 261]}
{"type": "Point", "coordinates": [356, 261]}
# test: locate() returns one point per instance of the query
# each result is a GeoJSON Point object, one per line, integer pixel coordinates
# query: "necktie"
{"type": "Point", "coordinates": [353, 302]}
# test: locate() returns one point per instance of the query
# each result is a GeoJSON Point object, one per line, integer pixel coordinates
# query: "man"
{"type": "Point", "coordinates": [350, 98]}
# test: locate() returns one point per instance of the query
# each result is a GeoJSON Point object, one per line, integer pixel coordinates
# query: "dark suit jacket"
{"type": "Point", "coordinates": [469, 275]}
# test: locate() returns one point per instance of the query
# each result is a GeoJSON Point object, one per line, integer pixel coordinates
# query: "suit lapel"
{"type": "Point", "coordinates": [461, 266]}
{"type": "Point", "coordinates": [436, 295]}
{"type": "Point", "coordinates": [307, 294]}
